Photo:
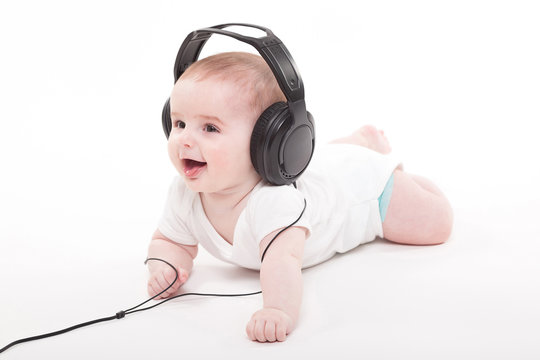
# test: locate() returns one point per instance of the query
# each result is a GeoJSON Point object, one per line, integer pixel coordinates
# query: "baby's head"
{"type": "Point", "coordinates": [214, 106]}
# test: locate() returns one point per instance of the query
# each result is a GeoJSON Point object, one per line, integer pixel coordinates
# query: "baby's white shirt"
{"type": "Point", "coordinates": [341, 187]}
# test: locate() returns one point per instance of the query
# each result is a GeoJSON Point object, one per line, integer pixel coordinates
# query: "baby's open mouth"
{"type": "Point", "coordinates": [193, 168]}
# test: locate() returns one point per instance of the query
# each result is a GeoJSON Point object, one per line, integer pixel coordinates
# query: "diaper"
{"type": "Point", "coordinates": [384, 199]}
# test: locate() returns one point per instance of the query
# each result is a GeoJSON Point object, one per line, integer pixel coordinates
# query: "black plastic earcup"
{"type": "Point", "coordinates": [166, 122]}
{"type": "Point", "coordinates": [278, 153]}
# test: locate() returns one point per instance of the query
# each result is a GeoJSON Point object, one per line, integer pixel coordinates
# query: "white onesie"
{"type": "Point", "coordinates": [341, 187]}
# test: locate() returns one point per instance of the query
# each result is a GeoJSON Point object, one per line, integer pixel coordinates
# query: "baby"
{"type": "Point", "coordinates": [353, 192]}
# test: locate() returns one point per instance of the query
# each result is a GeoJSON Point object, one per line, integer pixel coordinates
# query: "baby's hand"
{"type": "Point", "coordinates": [161, 276]}
{"type": "Point", "coordinates": [269, 325]}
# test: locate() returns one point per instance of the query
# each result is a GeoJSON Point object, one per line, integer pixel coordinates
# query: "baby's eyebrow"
{"type": "Point", "coordinates": [201, 116]}
{"type": "Point", "coordinates": [210, 118]}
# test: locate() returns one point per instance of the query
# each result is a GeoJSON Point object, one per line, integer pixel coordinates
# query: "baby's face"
{"type": "Point", "coordinates": [210, 138]}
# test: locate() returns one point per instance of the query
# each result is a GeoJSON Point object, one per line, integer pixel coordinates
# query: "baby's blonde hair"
{"type": "Point", "coordinates": [248, 71]}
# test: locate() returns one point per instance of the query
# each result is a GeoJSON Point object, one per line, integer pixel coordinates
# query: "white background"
{"type": "Point", "coordinates": [84, 173]}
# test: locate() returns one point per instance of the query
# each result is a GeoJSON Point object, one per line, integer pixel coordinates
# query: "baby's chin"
{"type": "Point", "coordinates": [206, 182]}
{"type": "Point", "coordinates": [202, 185]}
{"type": "Point", "coordinates": [195, 185]}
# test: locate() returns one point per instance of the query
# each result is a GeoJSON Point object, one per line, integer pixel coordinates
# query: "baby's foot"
{"type": "Point", "coordinates": [367, 136]}
{"type": "Point", "coordinates": [373, 138]}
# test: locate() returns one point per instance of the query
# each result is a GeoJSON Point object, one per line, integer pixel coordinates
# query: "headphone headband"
{"type": "Point", "coordinates": [269, 47]}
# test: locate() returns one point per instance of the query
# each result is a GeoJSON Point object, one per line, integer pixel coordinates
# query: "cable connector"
{"type": "Point", "coordinates": [120, 314]}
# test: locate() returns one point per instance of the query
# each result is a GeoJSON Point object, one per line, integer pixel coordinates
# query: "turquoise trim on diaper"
{"type": "Point", "coordinates": [384, 199]}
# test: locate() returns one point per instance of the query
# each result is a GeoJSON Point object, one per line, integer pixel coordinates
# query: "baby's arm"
{"type": "Point", "coordinates": [161, 274]}
{"type": "Point", "coordinates": [281, 282]}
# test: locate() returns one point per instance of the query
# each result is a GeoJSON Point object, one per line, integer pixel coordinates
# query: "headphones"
{"type": "Point", "coordinates": [283, 138]}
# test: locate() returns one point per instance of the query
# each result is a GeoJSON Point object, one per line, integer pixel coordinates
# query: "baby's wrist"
{"type": "Point", "coordinates": [292, 318]}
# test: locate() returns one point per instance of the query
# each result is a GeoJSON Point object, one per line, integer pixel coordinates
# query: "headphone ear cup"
{"type": "Point", "coordinates": [166, 122]}
{"type": "Point", "coordinates": [262, 132]}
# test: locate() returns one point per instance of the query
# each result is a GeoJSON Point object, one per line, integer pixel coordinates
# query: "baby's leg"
{"type": "Point", "coordinates": [418, 213]}
{"type": "Point", "coordinates": [367, 136]}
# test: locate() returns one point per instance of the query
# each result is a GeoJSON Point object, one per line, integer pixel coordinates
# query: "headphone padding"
{"type": "Point", "coordinates": [260, 134]}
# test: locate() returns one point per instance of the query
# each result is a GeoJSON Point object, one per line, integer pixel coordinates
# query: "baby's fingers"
{"type": "Point", "coordinates": [161, 280]}
{"type": "Point", "coordinates": [155, 286]}
{"type": "Point", "coordinates": [152, 288]}
{"type": "Point", "coordinates": [164, 282]}
{"type": "Point", "coordinates": [270, 331]}
{"type": "Point", "coordinates": [261, 330]}
{"type": "Point", "coordinates": [281, 331]}
{"type": "Point", "coordinates": [170, 275]}
{"type": "Point", "coordinates": [269, 325]}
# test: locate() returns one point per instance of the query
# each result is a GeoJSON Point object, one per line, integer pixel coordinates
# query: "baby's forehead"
{"type": "Point", "coordinates": [228, 87]}
{"type": "Point", "coordinates": [214, 95]}
{"type": "Point", "coordinates": [235, 80]}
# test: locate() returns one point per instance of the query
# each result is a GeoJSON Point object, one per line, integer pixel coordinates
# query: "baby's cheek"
{"type": "Point", "coordinates": [220, 159]}
{"type": "Point", "coordinates": [173, 156]}
{"type": "Point", "coordinates": [232, 157]}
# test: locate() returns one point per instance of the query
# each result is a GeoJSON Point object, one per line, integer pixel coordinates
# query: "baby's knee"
{"type": "Point", "coordinates": [442, 222]}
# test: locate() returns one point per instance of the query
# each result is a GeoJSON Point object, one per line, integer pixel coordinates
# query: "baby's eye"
{"type": "Point", "coordinates": [210, 128]}
{"type": "Point", "coordinates": [180, 124]}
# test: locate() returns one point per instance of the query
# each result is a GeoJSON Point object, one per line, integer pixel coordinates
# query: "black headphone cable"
{"type": "Point", "coordinates": [122, 313]}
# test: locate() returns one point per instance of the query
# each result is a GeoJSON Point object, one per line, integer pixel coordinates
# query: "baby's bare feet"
{"type": "Point", "coordinates": [374, 139]}
{"type": "Point", "coordinates": [368, 136]}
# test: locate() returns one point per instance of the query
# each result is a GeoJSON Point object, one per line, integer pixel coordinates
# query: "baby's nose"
{"type": "Point", "coordinates": [186, 140]}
